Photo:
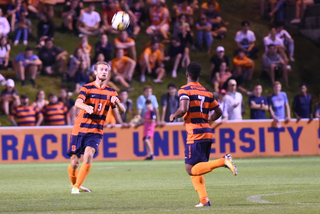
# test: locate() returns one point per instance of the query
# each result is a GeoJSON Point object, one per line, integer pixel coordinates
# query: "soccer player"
{"type": "Point", "coordinates": [94, 101]}
{"type": "Point", "coordinates": [195, 104]}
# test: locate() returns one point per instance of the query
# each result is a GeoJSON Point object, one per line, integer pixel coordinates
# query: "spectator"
{"type": "Point", "coordinates": [243, 66]}
{"type": "Point", "coordinates": [214, 18]}
{"type": "Point", "coordinates": [14, 12]}
{"type": "Point", "coordinates": [204, 6]}
{"type": "Point", "coordinates": [258, 104]}
{"type": "Point", "coordinates": [23, 26]}
{"type": "Point", "coordinates": [302, 104]}
{"type": "Point", "coordinates": [278, 104]}
{"type": "Point", "coordinates": [40, 101]}
{"type": "Point", "coordinates": [246, 39]}
{"type": "Point", "coordinates": [139, 17]}
{"type": "Point", "coordinates": [149, 123]}
{"type": "Point", "coordinates": [272, 39]}
{"type": "Point", "coordinates": [184, 9]}
{"type": "Point", "coordinates": [222, 104]}
{"type": "Point", "coordinates": [317, 109]}
{"type": "Point", "coordinates": [128, 104]}
{"type": "Point", "coordinates": [45, 29]}
{"type": "Point", "coordinates": [82, 76]}
{"type": "Point", "coordinates": [108, 11]}
{"type": "Point", "coordinates": [54, 58]}
{"type": "Point", "coordinates": [126, 43]}
{"type": "Point", "coordinates": [169, 103]}
{"type": "Point", "coordinates": [68, 3]}
{"type": "Point", "coordinates": [69, 102]}
{"type": "Point", "coordinates": [159, 16]}
{"type": "Point", "coordinates": [71, 14]}
{"type": "Point", "coordinates": [26, 114]}
{"type": "Point", "coordinates": [234, 101]}
{"type": "Point", "coordinates": [272, 63]}
{"type": "Point", "coordinates": [33, 6]}
{"type": "Point", "coordinates": [204, 33]}
{"type": "Point", "coordinates": [147, 95]}
{"type": "Point", "coordinates": [216, 61]}
{"type": "Point", "coordinates": [221, 77]}
{"type": "Point", "coordinates": [301, 6]}
{"type": "Point", "coordinates": [86, 49]}
{"type": "Point", "coordinates": [5, 48]}
{"type": "Point", "coordinates": [89, 22]}
{"type": "Point", "coordinates": [151, 60]}
{"type": "Point", "coordinates": [55, 113]}
{"type": "Point", "coordinates": [104, 47]}
{"type": "Point", "coordinates": [183, 30]}
{"type": "Point", "coordinates": [179, 53]}
{"type": "Point", "coordinates": [10, 97]}
{"type": "Point", "coordinates": [27, 62]}
{"type": "Point", "coordinates": [75, 62]}
{"type": "Point", "coordinates": [286, 38]}
{"type": "Point", "coordinates": [4, 25]}
{"type": "Point", "coordinates": [123, 68]}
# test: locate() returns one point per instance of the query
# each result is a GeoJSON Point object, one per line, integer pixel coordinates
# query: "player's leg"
{"type": "Point", "coordinates": [73, 169]}
{"type": "Point", "coordinates": [86, 166]}
{"type": "Point", "coordinates": [146, 141]}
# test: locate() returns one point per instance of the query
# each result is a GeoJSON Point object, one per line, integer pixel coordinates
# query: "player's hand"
{"type": "Point", "coordinates": [88, 109]}
{"type": "Point", "coordinates": [114, 99]}
{"type": "Point", "coordinates": [171, 118]}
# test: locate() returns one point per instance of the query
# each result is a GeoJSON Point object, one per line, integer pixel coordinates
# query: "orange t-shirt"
{"type": "Point", "coordinates": [217, 6]}
{"type": "Point", "coordinates": [156, 16]}
{"type": "Point", "coordinates": [246, 62]}
{"type": "Point", "coordinates": [154, 57]}
{"type": "Point", "coordinates": [120, 64]}
{"type": "Point", "coordinates": [88, 47]}
{"type": "Point", "coordinates": [128, 40]}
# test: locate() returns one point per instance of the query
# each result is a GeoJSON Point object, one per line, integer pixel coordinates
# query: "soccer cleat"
{"type": "Point", "coordinates": [151, 157]}
{"type": "Point", "coordinates": [75, 190]}
{"type": "Point", "coordinates": [228, 163]}
{"type": "Point", "coordinates": [208, 204]}
{"type": "Point", "coordinates": [84, 189]}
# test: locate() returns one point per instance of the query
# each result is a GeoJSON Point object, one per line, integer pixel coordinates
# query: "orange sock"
{"type": "Point", "coordinates": [84, 171]}
{"type": "Point", "coordinates": [72, 174]}
{"type": "Point", "coordinates": [199, 185]}
{"type": "Point", "coordinates": [205, 167]}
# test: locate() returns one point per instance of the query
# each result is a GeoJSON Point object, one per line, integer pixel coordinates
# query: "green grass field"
{"type": "Point", "coordinates": [263, 185]}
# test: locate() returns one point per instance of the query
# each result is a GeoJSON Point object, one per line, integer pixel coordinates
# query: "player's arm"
{"type": "Point", "coordinates": [216, 114]}
{"type": "Point", "coordinates": [120, 107]}
{"type": "Point", "coordinates": [40, 119]}
{"type": "Point", "coordinates": [183, 108]}
{"type": "Point", "coordinates": [81, 105]}
{"type": "Point", "coordinates": [288, 118]}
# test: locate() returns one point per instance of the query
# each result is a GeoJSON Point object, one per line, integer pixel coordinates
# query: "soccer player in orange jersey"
{"type": "Point", "coordinates": [195, 104]}
{"type": "Point", "coordinates": [94, 101]}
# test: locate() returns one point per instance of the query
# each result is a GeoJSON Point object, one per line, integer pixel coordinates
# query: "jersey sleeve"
{"type": "Point", "coordinates": [183, 94]}
{"type": "Point", "coordinates": [152, 115]}
{"type": "Point", "coordinates": [213, 104]}
{"type": "Point", "coordinates": [83, 93]}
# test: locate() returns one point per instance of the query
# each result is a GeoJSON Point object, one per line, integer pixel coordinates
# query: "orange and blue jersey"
{"type": "Point", "coordinates": [201, 102]}
{"type": "Point", "coordinates": [55, 114]}
{"type": "Point", "coordinates": [26, 115]}
{"type": "Point", "coordinates": [100, 100]}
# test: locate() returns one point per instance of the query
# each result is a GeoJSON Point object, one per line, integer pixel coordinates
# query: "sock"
{"type": "Point", "coordinates": [205, 167]}
{"type": "Point", "coordinates": [84, 171]}
{"type": "Point", "coordinates": [199, 185]}
{"type": "Point", "coordinates": [72, 174]}
{"type": "Point", "coordinates": [32, 82]}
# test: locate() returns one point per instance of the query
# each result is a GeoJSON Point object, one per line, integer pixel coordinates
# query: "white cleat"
{"type": "Point", "coordinates": [84, 189]}
{"type": "Point", "coordinates": [229, 164]}
{"type": "Point", "coordinates": [208, 204]}
{"type": "Point", "coordinates": [75, 190]}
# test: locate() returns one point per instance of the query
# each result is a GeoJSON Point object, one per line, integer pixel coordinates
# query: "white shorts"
{"type": "Point", "coordinates": [165, 26]}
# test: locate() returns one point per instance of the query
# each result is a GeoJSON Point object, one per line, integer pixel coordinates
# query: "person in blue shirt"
{"type": "Point", "coordinates": [27, 62]}
{"type": "Point", "coordinates": [302, 104]}
{"type": "Point", "coordinates": [278, 104]}
{"type": "Point", "coordinates": [258, 104]}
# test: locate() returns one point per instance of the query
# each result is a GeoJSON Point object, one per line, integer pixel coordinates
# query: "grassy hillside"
{"type": "Point", "coordinates": [305, 68]}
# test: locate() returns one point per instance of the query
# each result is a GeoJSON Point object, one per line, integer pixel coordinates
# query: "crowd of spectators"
{"type": "Point", "coordinates": [187, 26]}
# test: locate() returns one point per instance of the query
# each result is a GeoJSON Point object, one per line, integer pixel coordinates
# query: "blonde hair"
{"type": "Point", "coordinates": [101, 63]}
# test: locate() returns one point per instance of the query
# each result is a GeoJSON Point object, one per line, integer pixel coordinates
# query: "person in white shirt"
{"type": "Point", "coordinates": [246, 39]}
{"type": "Point", "coordinates": [274, 40]}
{"type": "Point", "coordinates": [286, 38]}
{"type": "Point", "coordinates": [222, 100]}
{"type": "Point", "coordinates": [90, 22]}
{"type": "Point", "coordinates": [4, 25]}
{"type": "Point", "coordinates": [233, 101]}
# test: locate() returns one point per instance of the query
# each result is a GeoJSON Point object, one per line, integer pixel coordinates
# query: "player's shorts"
{"type": "Point", "coordinates": [79, 143]}
{"type": "Point", "coordinates": [197, 152]}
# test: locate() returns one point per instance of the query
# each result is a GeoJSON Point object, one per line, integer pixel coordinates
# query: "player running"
{"type": "Point", "coordinates": [195, 104]}
{"type": "Point", "coordinates": [94, 101]}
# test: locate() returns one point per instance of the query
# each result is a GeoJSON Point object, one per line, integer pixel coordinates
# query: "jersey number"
{"type": "Point", "coordinates": [201, 98]}
{"type": "Point", "coordinates": [99, 106]}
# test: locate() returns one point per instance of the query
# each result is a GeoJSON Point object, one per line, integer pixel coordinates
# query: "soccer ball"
{"type": "Point", "coordinates": [120, 20]}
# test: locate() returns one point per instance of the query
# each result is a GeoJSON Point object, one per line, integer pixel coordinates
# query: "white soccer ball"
{"type": "Point", "coordinates": [120, 20]}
